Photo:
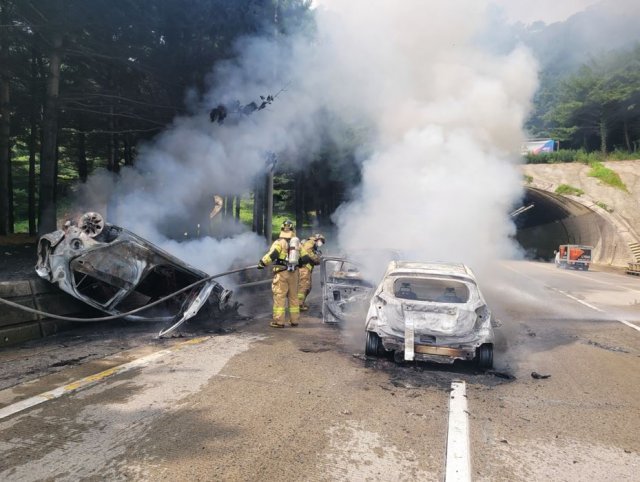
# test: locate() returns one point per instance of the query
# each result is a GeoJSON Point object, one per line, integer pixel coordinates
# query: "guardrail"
{"type": "Point", "coordinates": [634, 269]}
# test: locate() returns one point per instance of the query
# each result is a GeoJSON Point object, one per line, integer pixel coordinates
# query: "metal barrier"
{"type": "Point", "coordinates": [634, 269]}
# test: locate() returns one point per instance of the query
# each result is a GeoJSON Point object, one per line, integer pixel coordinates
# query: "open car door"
{"type": "Point", "coordinates": [345, 293]}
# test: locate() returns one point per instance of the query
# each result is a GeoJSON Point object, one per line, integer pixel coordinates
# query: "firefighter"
{"type": "Point", "coordinates": [284, 254]}
{"type": "Point", "coordinates": [309, 257]}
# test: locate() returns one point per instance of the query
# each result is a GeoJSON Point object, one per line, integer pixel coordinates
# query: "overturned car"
{"type": "Point", "coordinates": [117, 272]}
{"type": "Point", "coordinates": [430, 312]}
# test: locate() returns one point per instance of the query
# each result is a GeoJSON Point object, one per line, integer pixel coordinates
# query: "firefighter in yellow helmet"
{"type": "Point", "coordinates": [284, 254]}
{"type": "Point", "coordinates": [309, 257]}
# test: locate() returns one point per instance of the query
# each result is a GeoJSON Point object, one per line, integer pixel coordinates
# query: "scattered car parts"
{"type": "Point", "coordinates": [345, 293]}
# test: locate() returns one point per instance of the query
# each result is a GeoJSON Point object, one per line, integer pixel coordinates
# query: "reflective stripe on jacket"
{"type": "Point", "coordinates": [277, 254]}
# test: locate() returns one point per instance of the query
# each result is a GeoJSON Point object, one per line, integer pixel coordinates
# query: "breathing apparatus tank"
{"type": "Point", "coordinates": [293, 256]}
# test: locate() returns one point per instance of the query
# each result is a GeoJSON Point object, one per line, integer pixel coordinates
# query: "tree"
{"type": "Point", "coordinates": [5, 122]}
{"type": "Point", "coordinates": [89, 80]}
{"type": "Point", "coordinates": [599, 100]}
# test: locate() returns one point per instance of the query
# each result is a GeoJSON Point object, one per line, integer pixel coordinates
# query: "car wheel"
{"type": "Point", "coordinates": [373, 346]}
{"type": "Point", "coordinates": [484, 356]}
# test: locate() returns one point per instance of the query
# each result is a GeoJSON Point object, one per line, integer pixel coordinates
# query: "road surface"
{"type": "Point", "coordinates": [247, 402]}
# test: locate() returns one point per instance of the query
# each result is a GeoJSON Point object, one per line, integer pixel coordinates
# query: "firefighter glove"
{"type": "Point", "coordinates": [261, 265]}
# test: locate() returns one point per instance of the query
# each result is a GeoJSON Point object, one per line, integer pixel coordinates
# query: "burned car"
{"type": "Point", "coordinates": [430, 312]}
{"type": "Point", "coordinates": [114, 270]}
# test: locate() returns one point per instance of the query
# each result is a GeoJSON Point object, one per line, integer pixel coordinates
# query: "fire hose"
{"type": "Point", "coordinates": [132, 312]}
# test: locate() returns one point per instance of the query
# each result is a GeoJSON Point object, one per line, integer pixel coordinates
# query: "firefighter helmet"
{"type": "Point", "coordinates": [286, 230]}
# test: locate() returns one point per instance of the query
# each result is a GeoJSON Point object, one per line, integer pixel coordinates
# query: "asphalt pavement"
{"type": "Point", "coordinates": [242, 401]}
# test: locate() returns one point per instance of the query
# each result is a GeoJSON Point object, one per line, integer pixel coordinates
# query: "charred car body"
{"type": "Point", "coordinates": [116, 271]}
{"type": "Point", "coordinates": [430, 312]}
{"type": "Point", "coordinates": [345, 293]}
{"type": "Point", "coordinates": [420, 311]}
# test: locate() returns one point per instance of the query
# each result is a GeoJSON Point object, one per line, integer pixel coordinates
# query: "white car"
{"type": "Point", "coordinates": [430, 312]}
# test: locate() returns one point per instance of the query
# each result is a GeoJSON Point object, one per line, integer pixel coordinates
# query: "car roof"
{"type": "Point", "coordinates": [399, 268]}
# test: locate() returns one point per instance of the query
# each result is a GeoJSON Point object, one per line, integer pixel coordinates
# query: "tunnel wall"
{"type": "Point", "coordinates": [585, 225]}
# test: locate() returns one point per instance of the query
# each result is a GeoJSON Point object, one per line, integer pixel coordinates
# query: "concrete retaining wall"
{"type": "Point", "coordinates": [613, 227]}
{"type": "Point", "coordinates": [17, 326]}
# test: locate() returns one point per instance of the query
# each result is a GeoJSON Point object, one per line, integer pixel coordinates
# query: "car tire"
{"type": "Point", "coordinates": [373, 345]}
{"type": "Point", "coordinates": [484, 356]}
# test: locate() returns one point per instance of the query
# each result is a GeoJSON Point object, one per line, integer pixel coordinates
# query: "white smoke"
{"type": "Point", "coordinates": [444, 174]}
{"type": "Point", "coordinates": [447, 120]}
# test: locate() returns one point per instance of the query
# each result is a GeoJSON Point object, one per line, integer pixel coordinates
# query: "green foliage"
{"type": "Point", "coordinates": [246, 210]}
{"type": "Point", "coordinates": [126, 65]}
{"type": "Point", "coordinates": [562, 155]}
{"type": "Point", "coordinates": [596, 107]}
{"type": "Point", "coordinates": [588, 157]}
{"type": "Point", "coordinates": [246, 216]}
{"type": "Point", "coordinates": [580, 155]}
{"type": "Point", "coordinates": [527, 179]}
{"type": "Point", "coordinates": [622, 155]}
{"type": "Point", "coordinates": [567, 190]}
{"type": "Point", "coordinates": [607, 176]}
{"type": "Point", "coordinates": [604, 206]}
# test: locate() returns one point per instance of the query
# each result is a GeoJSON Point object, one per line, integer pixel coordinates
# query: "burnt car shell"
{"type": "Point", "coordinates": [345, 293]}
{"type": "Point", "coordinates": [116, 271]}
{"type": "Point", "coordinates": [430, 312]}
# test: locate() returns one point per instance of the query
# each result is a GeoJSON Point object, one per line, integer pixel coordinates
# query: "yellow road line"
{"type": "Point", "coordinates": [93, 379]}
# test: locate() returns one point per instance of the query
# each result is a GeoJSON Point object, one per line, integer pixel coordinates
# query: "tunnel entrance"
{"type": "Point", "coordinates": [554, 220]}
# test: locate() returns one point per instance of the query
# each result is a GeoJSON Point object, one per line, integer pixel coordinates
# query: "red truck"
{"type": "Point", "coordinates": [573, 256]}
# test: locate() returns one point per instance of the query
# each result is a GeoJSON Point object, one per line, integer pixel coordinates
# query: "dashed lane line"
{"type": "Point", "coordinates": [458, 461]}
{"type": "Point", "coordinates": [582, 302]}
{"type": "Point", "coordinates": [92, 379]}
{"type": "Point", "coordinates": [568, 273]}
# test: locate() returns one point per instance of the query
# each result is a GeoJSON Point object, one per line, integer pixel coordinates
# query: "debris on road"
{"type": "Point", "coordinates": [503, 375]}
{"type": "Point", "coordinates": [539, 376]}
{"type": "Point", "coordinates": [606, 347]}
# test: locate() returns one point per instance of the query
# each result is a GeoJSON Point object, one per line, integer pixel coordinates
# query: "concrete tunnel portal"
{"type": "Point", "coordinates": [556, 220]}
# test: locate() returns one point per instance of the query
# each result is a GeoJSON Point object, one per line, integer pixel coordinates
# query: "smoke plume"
{"type": "Point", "coordinates": [443, 176]}
{"type": "Point", "coordinates": [445, 118]}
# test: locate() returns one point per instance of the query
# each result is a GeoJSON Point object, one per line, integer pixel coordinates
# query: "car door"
{"type": "Point", "coordinates": [345, 293]}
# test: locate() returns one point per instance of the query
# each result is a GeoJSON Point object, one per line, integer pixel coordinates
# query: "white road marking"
{"type": "Point", "coordinates": [582, 302]}
{"type": "Point", "coordinates": [629, 324]}
{"type": "Point", "coordinates": [458, 462]}
{"type": "Point", "coordinates": [91, 380]}
{"type": "Point", "coordinates": [615, 285]}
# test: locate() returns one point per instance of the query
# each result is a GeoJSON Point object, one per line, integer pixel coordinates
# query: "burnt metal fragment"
{"type": "Point", "coordinates": [539, 376]}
